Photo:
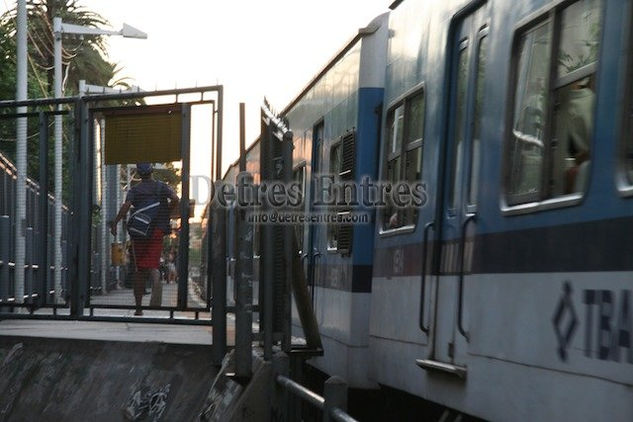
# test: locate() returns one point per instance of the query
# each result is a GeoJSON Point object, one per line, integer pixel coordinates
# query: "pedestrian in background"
{"type": "Point", "coordinates": [147, 251]}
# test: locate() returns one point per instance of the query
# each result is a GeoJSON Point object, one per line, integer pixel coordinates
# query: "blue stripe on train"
{"type": "Point", "coordinates": [367, 154]}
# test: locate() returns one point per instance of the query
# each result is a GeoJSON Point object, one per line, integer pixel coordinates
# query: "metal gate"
{"type": "Point", "coordinates": [78, 279]}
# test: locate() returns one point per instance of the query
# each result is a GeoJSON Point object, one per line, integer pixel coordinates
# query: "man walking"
{"type": "Point", "coordinates": [147, 251]}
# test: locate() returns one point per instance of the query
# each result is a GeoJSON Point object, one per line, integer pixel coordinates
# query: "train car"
{"type": "Point", "coordinates": [508, 295]}
{"type": "Point", "coordinates": [335, 122]}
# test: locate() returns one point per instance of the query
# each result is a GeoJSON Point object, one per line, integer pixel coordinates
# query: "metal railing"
{"type": "Point", "coordinates": [90, 285]}
{"type": "Point", "coordinates": [333, 404]}
{"type": "Point", "coordinates": [37, 290]}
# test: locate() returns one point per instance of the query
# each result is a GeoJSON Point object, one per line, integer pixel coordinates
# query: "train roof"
{"type": "Point", "coordinates": [371, 28]}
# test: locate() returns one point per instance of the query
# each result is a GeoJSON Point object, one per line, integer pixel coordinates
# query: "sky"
{"type": "Point", "coordinates": [255, 49]}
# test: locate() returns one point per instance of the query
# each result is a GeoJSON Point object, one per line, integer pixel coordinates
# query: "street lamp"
{"type": "Point", "coordinates": [60, 28]}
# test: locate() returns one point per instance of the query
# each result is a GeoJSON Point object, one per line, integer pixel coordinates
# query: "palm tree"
{"type": "Point", "coordinates": [82, 58]}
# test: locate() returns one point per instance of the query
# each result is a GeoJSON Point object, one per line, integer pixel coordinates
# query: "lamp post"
{"type": "Point", "coordinates": [60, 28]}
{"type": "Point", "coordinates": [20, 153]}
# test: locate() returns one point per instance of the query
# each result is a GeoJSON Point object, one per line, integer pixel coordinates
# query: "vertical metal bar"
{"type": "Point", "coordinates": [242, 138]}
{"type": "Point", "coordinates": [28, 264]}
{"type": "Point", "coordinates": [244, 281]}
{"type": "Point", "coordinates": [105, 198]}
{"type": "Point", "coordinates": [58, 170]}
{"type": "Point", "coordinates": [219, 251]}
{"type": "Point", "coordinates": [67, 270]}
{"type": "Point", "coordinates": [218, 233]}
{"type": "Point", "coordinates": [81, 281]}
{"type": "Point", "coordinates": [183, 249]}
{"type": "Point", "coordinates": [20, 150]}
{"type": "Point", "coordinates": [244, 267]}
{"type": "Point", "coordinates": [43, 212]}
{"type": "Point", "coordinates": [267, 230]}
{"type": "Point", "coordinates": [70, 250]}
{"type": "Point", "coordinates": [214, 112]}
{"type": "Point", "coordinates": [5, 236]}
{"type": "Point", "coordinates": [289, 252]}
{"type": "Point", "coordinates": [209, 241]}
{"type": "Point", "coordinates": [218, 151]}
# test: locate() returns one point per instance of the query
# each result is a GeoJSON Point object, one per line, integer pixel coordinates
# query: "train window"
{"type": "Point", "coordinates": [460, 108]}
{"type": "Point", "coordinates": [405, 132]}
{"type": "Point", "coordinates": [550, 144]}
{"type": "Point", "coordinates": [526, 152]}
{"type": "Point", "coordinates": [475, 155]}
{"type": "Point", "coordinates": [627, 147]}
{"type": "Point", "coordinates": [335, 168]}
{"type": "Point", "coordinates": [342, 164]}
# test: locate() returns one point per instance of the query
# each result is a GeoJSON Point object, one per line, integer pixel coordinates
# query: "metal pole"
{"type": "Point", "coordinates": [117, 204]}
{"type": "Point", "coordinates": [57, 222]}
{"type": "Point", "coordinates": [244, 269]}
{"type": "Point", "coordinates": [28, 265]}
{"type": "Point", "coordinates": [43, 215]}
{"type": "Point", "coordinates": [218, 232]}
{"type": "Point", "coordinates": [104, 210]}
{"type": "Point", "coordinates": [183, 249]}
{"type": "Point", "coordinates": [289, 251]}
{"type": "Point", "coordinates": [266, 279]}
{"type": "Point", "coordinates": [21, 94]}
{"type": "Point", "coordinates": [242, 137]}
{"type": "Point", "coordinates": [244, 281]}
{"type": "Point", "coordinates": [218, 152]}
{"type": "Point", "coordinates": [99, 175]}
{"type": "Point", "coordinates": [82, 204]}
{"type": "Point", "coordinates": [213, 124]}
{"type": "Point", "coordinates": [218, 225]}
{"type": "Point", "coordinates": [5, 228]}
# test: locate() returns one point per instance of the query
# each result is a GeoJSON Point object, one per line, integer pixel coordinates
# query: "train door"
{"type": "Point", "coordinates": [313, 251]}
{"type": "Point", "coordinates": [459, 173]}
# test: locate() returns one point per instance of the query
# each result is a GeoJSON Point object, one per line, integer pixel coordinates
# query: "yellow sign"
{"type": "Point", "coordinates": [150, 134]}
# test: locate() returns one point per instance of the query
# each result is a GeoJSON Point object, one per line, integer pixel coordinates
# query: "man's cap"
{"type": "Point", "coordinates": [144, 169]}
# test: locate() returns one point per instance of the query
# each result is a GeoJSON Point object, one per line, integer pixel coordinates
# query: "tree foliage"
{"type": "Point", "coordinates": [83, 57]}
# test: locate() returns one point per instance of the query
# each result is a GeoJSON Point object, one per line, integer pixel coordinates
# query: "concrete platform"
{"type": "Point", "coordinates": [107, 331]}
{"type": "Point", "coordinates": [106, 371]}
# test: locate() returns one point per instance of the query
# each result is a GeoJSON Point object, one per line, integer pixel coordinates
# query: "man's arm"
{"type": "Point", "coordinates": [125, 207]}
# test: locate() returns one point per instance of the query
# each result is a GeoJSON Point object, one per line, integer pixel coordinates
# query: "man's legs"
{"type": "Point", "coordinates": [157, 288]}
{"type": "Point", "coordinates": [140, 277]}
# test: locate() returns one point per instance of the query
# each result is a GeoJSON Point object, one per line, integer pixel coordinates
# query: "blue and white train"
{"type": "Point", "coordinates": [508, 294]}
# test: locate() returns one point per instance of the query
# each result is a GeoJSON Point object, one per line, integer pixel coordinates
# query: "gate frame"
{"type": "Point", "coordinates": [79, 232]}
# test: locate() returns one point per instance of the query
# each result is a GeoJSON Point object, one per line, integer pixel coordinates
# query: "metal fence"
{"type": "Point", "coordinates": [39, 289]}
{"type": "Point", "coordinates": [93, 285]}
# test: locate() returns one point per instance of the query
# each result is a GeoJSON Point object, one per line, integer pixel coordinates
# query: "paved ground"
{"type": "Point", "coordinates": [125, 296]}
{"type": "Point", "coordinates": [123, 331]}
{"type": "Point", "coordinates": [107, 331]}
